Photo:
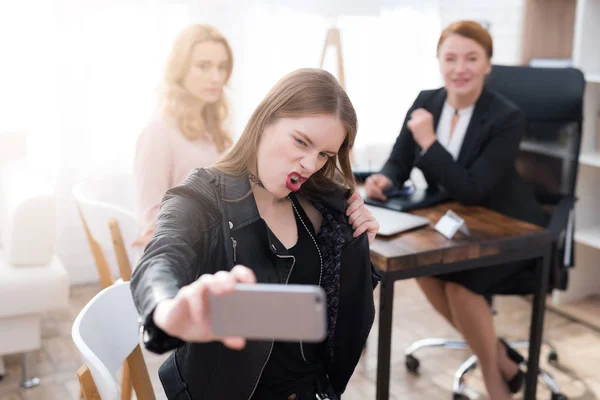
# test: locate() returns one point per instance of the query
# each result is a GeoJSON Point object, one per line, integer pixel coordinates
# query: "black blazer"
{"type": "Point", "coordinates": [484, 173]}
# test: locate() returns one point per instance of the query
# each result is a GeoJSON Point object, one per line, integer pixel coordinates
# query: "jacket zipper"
{"type": "Point", "coordinates": [320, 259]}
{"type": "Point", "coordinates": [272, 342]}
{"type": "Point", "coordinates": [234, 244]}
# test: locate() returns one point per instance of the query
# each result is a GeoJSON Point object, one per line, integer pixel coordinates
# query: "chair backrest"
{"type": "Point", "coordinates": [106, 333]}
{"type": "Point", "coordinates": [552, 100]}
{"type": "Point", "coordinates": [106, 205]}
{"type": "Point", "coordinates": [104, 198]}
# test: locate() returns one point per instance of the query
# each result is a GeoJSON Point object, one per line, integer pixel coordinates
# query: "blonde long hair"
{"type": "Point", "coordinates": [181, 105]}
{"type": "Point", "coordinates": [301, 93]}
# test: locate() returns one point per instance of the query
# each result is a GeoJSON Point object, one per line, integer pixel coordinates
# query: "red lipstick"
{"type": "Point", "coordinates": [294, 181]}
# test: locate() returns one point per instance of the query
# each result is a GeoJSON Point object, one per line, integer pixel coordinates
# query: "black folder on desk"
{"type": "Point", "coordinates": [417, 198]}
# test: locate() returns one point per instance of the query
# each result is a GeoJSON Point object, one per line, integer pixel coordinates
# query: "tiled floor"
{"type": "Point", "coordinates": [578, 372]}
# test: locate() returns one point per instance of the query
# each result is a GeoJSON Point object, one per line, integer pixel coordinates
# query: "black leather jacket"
{"type": "Point", "coordinates": [193, 237]}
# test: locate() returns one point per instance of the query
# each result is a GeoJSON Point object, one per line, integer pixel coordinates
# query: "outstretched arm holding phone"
{"type": "Point", "coordinates": [187, 315]}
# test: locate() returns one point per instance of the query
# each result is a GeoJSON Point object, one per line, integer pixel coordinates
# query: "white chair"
{"type": "Point", "coordinates": [106, 208]}
{"type": "Point", "coordinates": [33, 280]}
{"type": "Point", "coordinates": [106, 333]}
{"type": "Point", "coordinates": [13, 147]}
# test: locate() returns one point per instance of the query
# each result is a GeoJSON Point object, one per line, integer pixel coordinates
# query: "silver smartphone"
{"type": "Point", "coordinates": [271, 311]}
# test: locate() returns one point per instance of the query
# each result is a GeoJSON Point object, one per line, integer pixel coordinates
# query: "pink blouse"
{"type": "Point", "coordinates": [163, 159]}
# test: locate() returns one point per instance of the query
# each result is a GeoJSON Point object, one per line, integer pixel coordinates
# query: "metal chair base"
{"type": "Point", "coordinates": [458, 385]}
{"type": "Point", "coordinates": [29, 370]}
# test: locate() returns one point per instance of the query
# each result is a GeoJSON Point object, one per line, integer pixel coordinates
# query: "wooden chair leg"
{"type": "Point", "coordinates": [106, 278]}
{"type": "Point", "coordinates": [120, 250]}
{"type": "Point", "coordinates": [126, 387]}
{"type": "Point", "coordinates": [88, 387]}
{"type": "Point", "coordinates": [90, 392]}
{"type": "Point", "coordinates": [139, 375]}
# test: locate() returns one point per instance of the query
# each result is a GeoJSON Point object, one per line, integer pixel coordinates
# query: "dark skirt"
{"type": "Point", "coordinates": [512, 278]}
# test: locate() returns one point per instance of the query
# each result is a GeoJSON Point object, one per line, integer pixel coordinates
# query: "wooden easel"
{"type": "Point", "coordinates": [333, 39]}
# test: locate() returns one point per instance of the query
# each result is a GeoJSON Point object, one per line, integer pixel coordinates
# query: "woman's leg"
{"type": "Point", "coordinates": [473, 317]}
{"type": "Point", "coordinates": [435, 291]}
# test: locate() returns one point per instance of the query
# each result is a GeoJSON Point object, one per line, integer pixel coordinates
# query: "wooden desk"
{"type": "Point", "coordinates": [494, 239]}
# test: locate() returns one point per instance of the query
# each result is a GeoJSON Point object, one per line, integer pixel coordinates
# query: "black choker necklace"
{"type": "Point", "coordinates": [255, 180]}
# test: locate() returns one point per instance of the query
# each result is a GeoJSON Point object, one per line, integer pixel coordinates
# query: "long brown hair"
{"type": "Point", "coordinates": [181, 105]}
{"type": "Point", "coordinates": [304, 92]}
{"type": "Point", "coordinates": [471, 30]}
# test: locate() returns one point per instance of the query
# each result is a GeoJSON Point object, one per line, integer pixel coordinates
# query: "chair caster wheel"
{"type": "Point", "coordinates": [460, 396]}
{"type": "Point", "coordinates": [412, 363]}
{"type": "Point", "coordinates": [552, 357]}
{"type": "Point", "coordinates": [559, 396]}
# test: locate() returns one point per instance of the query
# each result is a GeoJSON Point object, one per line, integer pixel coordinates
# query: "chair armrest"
{"type": "Point", "coordinates": [30, 237]}
{"type": "Point", "coordinates": [563, 257]}
{"type": "Point", "coordinates": [560, 217]}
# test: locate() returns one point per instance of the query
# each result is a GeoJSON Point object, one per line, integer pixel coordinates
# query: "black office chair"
{"type": "Point", "coordinates": [552, 100]}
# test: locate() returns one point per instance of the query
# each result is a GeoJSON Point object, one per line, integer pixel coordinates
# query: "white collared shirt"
{"type": "Point", "coordinates": [453, 143]}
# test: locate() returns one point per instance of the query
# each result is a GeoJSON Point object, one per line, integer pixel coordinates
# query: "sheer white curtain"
{"type": "Point", "coordinates": [81, 76]}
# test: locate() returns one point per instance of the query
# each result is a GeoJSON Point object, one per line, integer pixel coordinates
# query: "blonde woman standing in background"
{"type": "Point", "coordinates": [188, 130]}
